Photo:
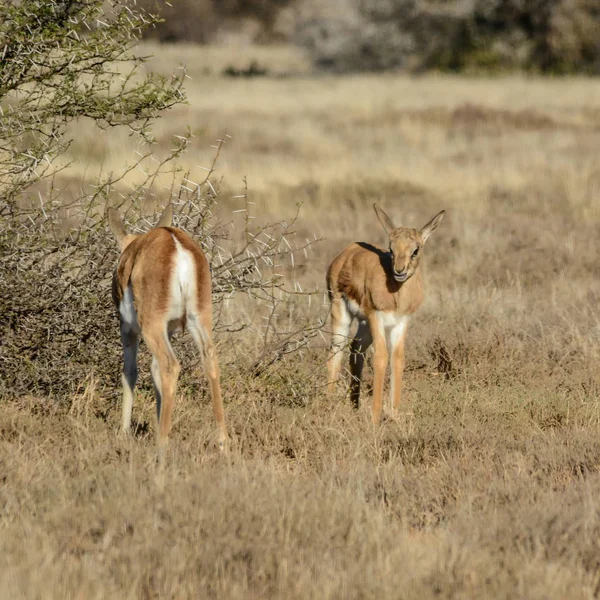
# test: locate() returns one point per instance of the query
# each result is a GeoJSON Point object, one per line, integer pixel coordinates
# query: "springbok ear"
{"type": "Point", "coordinates": [115, 223]}
{"type": "Point", "coordinates": [428, 229]}
{"type": "Point", "coordinates": [167, 217]}
{"type": "Point", "coordinates": [385, 221]}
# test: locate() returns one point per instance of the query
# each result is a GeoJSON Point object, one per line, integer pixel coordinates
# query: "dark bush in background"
{"type": "Point", "coordinates": [202, 21]}
{"type": "Point", "coordinates": [556, 36]}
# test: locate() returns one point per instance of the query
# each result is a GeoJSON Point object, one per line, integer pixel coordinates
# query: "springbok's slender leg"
{"type": "Point", "coordinates": [155, 369]}
{"type": "Point", "coordinates": [340, 330]}
{"type": "Point", "coordinates": [158, 343]}
{"type": "Point", "coordinates": [361, 342]}
{"type": "Point", "coordinates": [380, 361]}
{"type": "Point", "coordinates": [397, 337]}
{"type": "Point", "coordinates": [201, 332]}
{"type": "Point", "coordinates": [129, 339]}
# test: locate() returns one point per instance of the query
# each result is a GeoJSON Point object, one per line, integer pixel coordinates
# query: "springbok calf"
{"type": "Point", "coordinates": [381, 289]}
{"type": "Point", "coordinates": [162, 284]}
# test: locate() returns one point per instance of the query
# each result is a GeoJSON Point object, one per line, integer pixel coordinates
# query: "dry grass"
{"type": "Point", "coordinates": [485, 493]}
{"type": "Point", "coordinates": [486, 486]}
{"type": "Point", "coordinates": [455, 136]}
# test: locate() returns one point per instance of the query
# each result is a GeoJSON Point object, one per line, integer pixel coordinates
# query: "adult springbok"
{"type": "Point", "coordinates": [162, 284]}
{"type": "Point", "coordinates": [381, 288]}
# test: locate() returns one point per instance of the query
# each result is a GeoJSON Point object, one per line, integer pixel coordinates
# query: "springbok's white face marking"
{"type": "Point", "coordinates": [405, 247]}
{"type": "Point", "coordinates": [381, 288]}
{"type": "Point", "coordinates": [162, 283]}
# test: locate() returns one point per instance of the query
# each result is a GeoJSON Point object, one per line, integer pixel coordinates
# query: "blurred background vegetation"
{"type": "Point", "coordinates": [549, 36]}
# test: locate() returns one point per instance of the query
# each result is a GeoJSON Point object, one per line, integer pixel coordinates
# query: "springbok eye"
{"type": "Point", "coordinates": [415, 252]}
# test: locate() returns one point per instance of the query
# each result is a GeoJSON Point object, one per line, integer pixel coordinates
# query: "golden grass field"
{"type": "Point", "coordinates": [487, 484]}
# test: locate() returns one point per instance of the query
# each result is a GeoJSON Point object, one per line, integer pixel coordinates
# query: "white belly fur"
{"type": "Point", "coordinates": [392, 325]}
{"type": "Point", "coordinates": [354, 309]}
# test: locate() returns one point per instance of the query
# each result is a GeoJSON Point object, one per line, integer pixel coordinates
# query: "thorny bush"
{"type": "Point", "coordinates": [56, 315]}
{"type": "Point", "coordinates": [63, 60]}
